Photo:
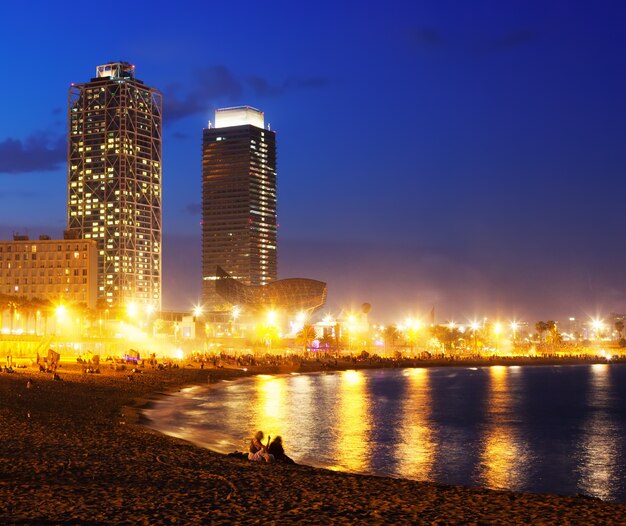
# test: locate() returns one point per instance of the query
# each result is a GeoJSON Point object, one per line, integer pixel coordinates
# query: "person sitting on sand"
{"type": "Point", "coordinates": [258, 451]}
{"type": "Point", "coordinates": [278, 452]}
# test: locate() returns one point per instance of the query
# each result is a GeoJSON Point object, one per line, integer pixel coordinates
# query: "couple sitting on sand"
{"type": "Point", "coordinates": [270, 452]}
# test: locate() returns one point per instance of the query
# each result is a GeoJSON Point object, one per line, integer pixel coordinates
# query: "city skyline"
{"type": "Point", "coordinates": [467, 157]}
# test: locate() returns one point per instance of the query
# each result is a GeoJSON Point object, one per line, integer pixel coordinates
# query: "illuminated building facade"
{"type": "Point", "coordinates": [239, 228]}
{"type": "Point", "coordinates": [114, 182]}
{"type": "Point", "coordinates": [59, 271]}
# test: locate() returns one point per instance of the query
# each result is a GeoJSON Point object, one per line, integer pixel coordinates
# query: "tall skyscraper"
{"type": "Point", "coordinates": [238, 201]}
{"type": "Point", "coordinates": [114, 182]}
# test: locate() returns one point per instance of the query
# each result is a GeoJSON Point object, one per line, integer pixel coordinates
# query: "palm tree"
{"type": "Point", "coordinates": [13, 307]}
{"type": "Point", "coordinates": [306, 335]}
{"type": "Point", "coordinates": [391, 335]}
{"type": "Point", "coordinates": [552, 328]}
{"type": "Point", "coordinates": [446, 335]}
{"type": "Point", "coordinates": [541, 327]}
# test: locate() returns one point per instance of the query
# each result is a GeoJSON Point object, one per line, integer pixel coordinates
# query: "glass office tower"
{"type": "Point", "coordinates": [239, 228]}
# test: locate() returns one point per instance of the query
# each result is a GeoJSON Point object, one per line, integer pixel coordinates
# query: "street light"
{"type": "Point", "coordinates": [271, 318]}
{"type": "Point", "coordinates": [149, 311]}
{"type": "Point", "coordinates": [475, 326]}
{"type": "Point", "coordinates": [497, 329]}
{"type": "Point", "coordinates": [131, 310]}
{"type": "Point", "coordinates": [60, 313]}
{"type": "Point", "coordinates": [598, 326]}
{"type": "Point", "coordinates": [514, 327]}
{"type": "Point", "coordinates": [235, 312]}
{"type": "Point", "coordinates": [351, 326]}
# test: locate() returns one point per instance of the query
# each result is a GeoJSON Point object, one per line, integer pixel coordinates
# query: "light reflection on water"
{"type": "Point", "coordinates": [416, 449]}
{"type": "Point", "coordinates": [547, 429]}
{"type": "Point", "coordinates": [599, 445]}
{"type": "Point", "coordinates": [503, 454]}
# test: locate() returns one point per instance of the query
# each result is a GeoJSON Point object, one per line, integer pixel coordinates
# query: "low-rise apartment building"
{"type": "Point", "coordinates": [59, 270]}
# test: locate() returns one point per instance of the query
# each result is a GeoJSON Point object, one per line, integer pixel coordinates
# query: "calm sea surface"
{"type": "Point", "coordinates": [543, 429]}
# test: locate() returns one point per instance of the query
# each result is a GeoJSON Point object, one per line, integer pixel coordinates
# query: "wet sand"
{"type": "Point", "coordinates": [74, 452]}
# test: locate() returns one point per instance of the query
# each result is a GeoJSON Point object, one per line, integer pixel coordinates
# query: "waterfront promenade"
{"type": "Point", "coordinates": [73, 452]}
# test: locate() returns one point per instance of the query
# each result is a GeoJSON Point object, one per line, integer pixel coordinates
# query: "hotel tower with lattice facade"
{"type": "Point", "coordinates": [238, 202]}
{"type": "Point", "coordinates": [114, 182]}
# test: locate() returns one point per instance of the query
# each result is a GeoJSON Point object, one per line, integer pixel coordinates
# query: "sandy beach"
{"type": "Point", "coordinates": [75, 452]}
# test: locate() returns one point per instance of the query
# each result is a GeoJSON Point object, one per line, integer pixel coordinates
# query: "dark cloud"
{"type": "Point", "coordinates": [511, 40]}
{"type": "Point", "coordinates": [194, 209]}
{"type": "Point", "coordinates": [218, 83]}
{"type": "Point", "coordinates": [179, 135]}
{"type": "Point", "coordinates": [263, 88]}
{"type": "Point", "coordinates": [426, 37]}
{"type": "Point", "coordinates": [57, 111]}
{"type": "Point", "coordinates": [39, 152]}
{"type": "Point", "coordinates": [207, 86]}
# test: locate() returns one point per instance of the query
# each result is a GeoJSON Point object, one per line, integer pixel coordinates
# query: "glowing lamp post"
{"type": "Point", "coordinates": [60, 313]}
{"type": "Point", "coordinates": [271, 319]}
{"type": "Point", "coordinates": [411, 327]}
{"type": "Point", "coordinates": [149, 313]}
{"type": "Point", "coordinates": [234, 316]}
{"type": "Point", "coordinates": [598, 326]}
{"type": "Point", "coordinates": [131, 311]}
{"type": "Point", "coordinates": [475, 326]}
{"type": "Point", "coordinates": [351, 326]}
{"type": "Point", "coordinates": [497, 329]}
{"type": "Point", "coordinates": [514, 327]}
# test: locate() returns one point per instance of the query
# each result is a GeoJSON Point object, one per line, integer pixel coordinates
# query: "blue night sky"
{"type": "Point", "coordinates": [464, 155]}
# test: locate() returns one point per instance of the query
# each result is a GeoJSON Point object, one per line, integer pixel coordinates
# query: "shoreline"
{"type": "Point", "coordinates": [76, 451]}
{"type": "Point", "coordinates": [212, 444]}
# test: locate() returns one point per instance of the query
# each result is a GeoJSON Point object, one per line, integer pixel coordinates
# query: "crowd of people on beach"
{"type": "Point", "coordinates": [323, 360]}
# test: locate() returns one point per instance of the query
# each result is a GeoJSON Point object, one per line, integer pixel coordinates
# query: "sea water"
{"type": "Point", "coordinates": [557, 429]}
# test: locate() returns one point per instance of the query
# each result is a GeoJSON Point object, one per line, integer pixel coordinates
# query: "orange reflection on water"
{"type": "Point", "coordinates": [416, 452]}
{"type": "Point", "coordinates": [600, 443]}
{"type": "Point", "coordinates": [502, 455]}
{"type": "Point", "coordinates": [270, 406]}
{"type": "Point", "coordinates": [353, 447]}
